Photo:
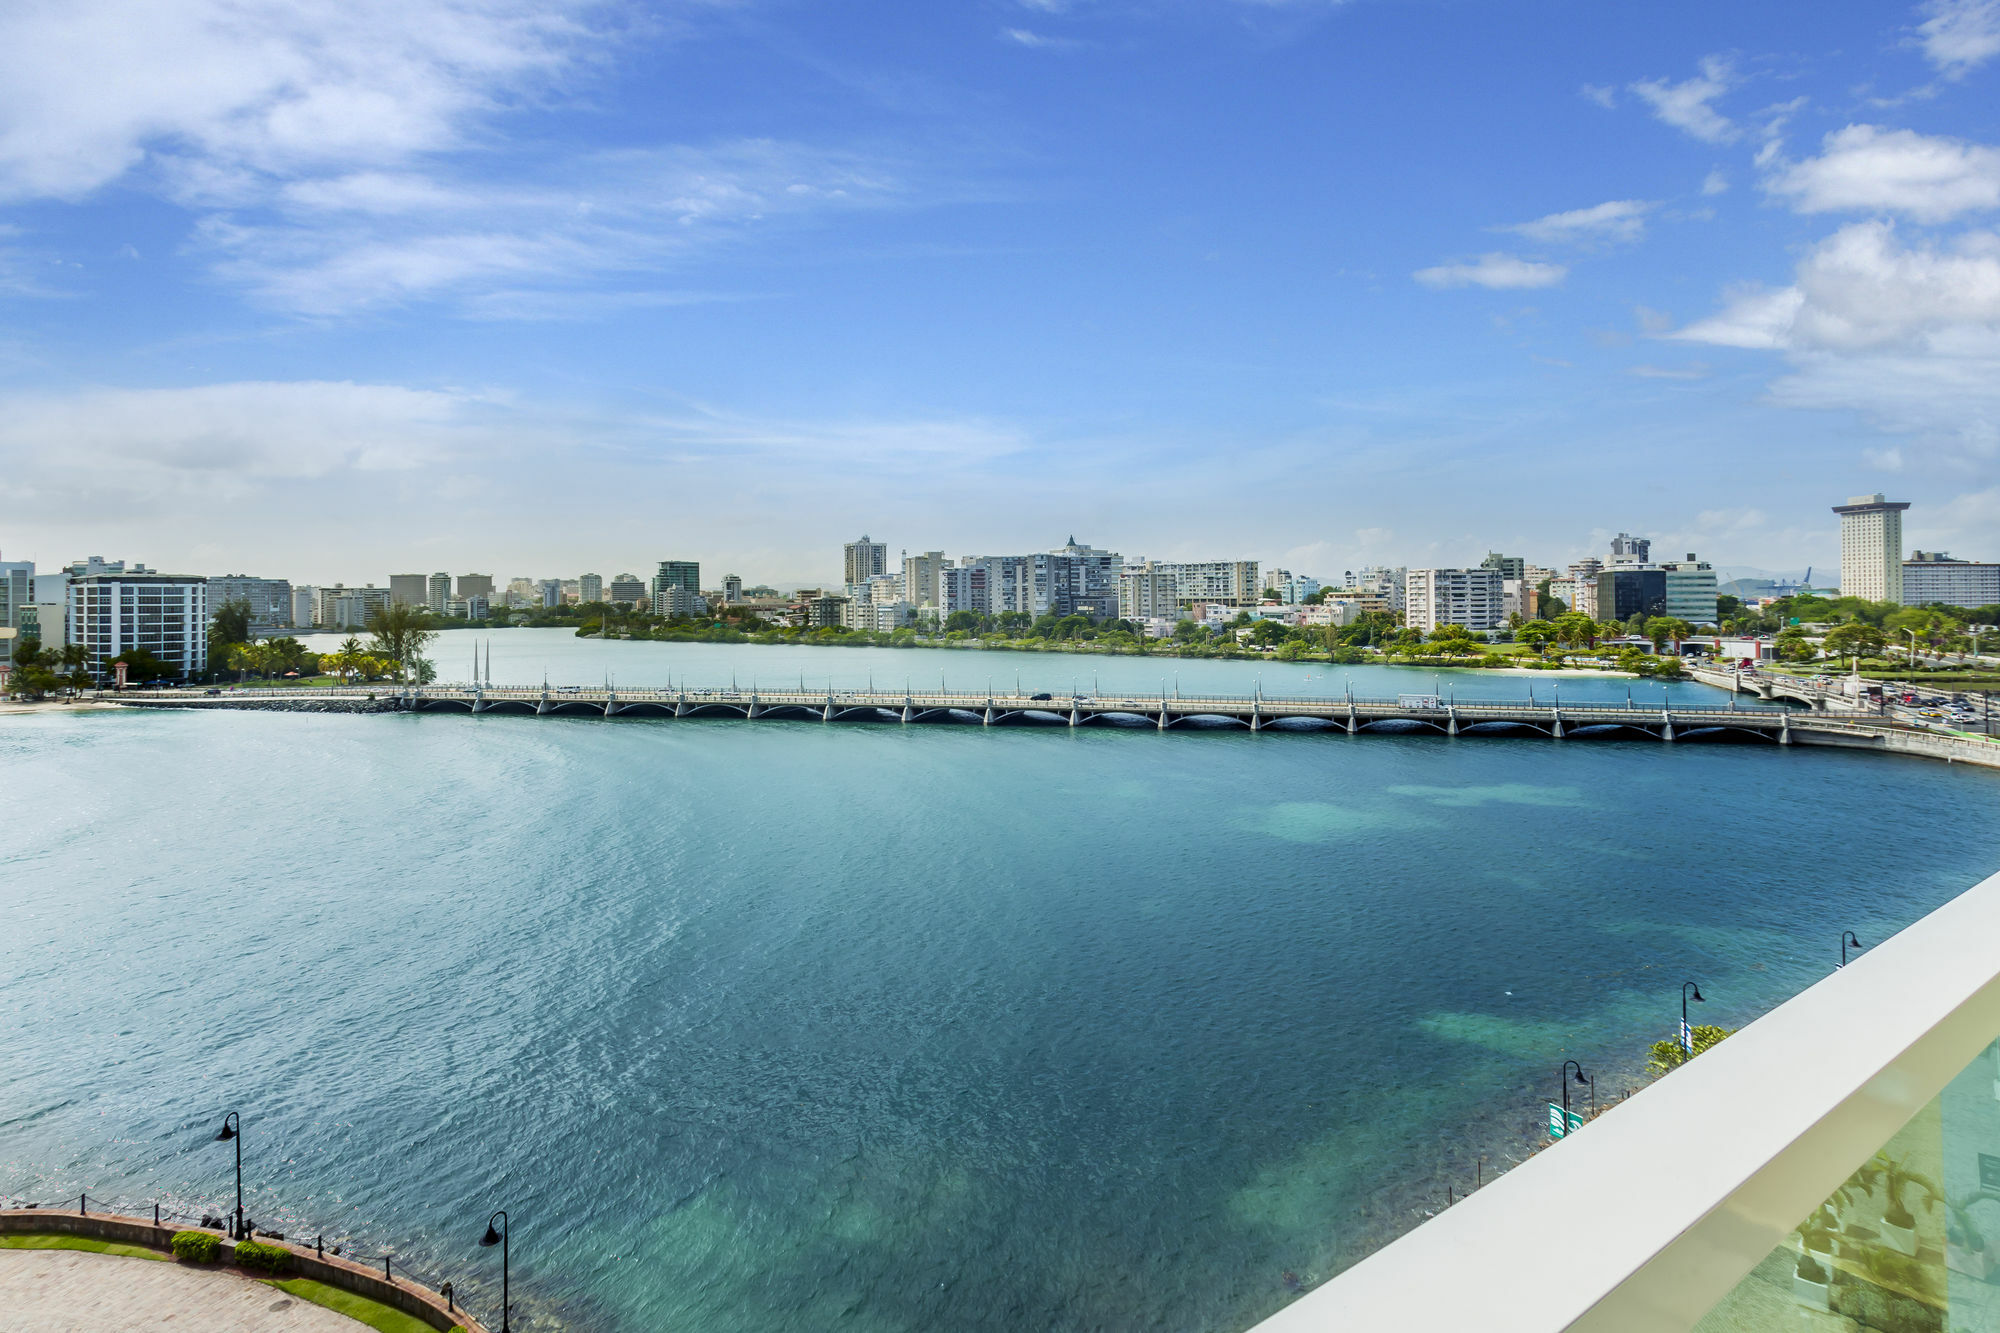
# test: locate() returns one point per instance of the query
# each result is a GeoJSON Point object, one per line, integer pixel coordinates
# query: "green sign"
{"type": "Point", "coordinates": [1563, 1122]}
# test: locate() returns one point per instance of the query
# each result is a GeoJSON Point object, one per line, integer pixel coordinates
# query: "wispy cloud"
{"type": "Point", "coordinates": [1494, 270]}
{"type": "Point", "coordinates": [1688, 106]}
{"type": "Point", "coordinates": [1696, 370]}
{"type": "Point", "coordinates": [1616, 220]}
{"type": "Point", "coordinates": [1864, 168]}
{"type": "Point", "coordinates": [1960, 35]}
{"type": "Point", "coordinates": [338, 244]}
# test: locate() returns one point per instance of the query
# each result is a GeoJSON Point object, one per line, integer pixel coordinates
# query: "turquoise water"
{"type": "Point", "coordinates": [784, 1026]}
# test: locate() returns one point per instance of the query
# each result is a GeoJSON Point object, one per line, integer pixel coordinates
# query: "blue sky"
{"type": "Point", "coordinates": [334, 290]}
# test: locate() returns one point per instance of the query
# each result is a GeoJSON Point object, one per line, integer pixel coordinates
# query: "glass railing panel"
{"type": "Point", "coordinates": [1909, 1243]}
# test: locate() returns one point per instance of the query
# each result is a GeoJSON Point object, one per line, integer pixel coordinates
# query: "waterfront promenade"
{"type": "Point", "coordinates": [1444, 714]}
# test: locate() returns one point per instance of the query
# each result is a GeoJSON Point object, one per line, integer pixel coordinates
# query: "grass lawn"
{"type": "Point", "coordinates": [56, 1240]}
{"type": "Point", "coordinates": [372, 1313]}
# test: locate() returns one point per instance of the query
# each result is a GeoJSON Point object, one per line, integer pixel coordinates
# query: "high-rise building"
{"type": "Point", "coordinates": [1627, 550]}
{"type": "Point", "coordinates": [1691, 590]}
{"type": "Point", "coordinates": [47, 623]}
{"type": "Point", "coordinates": [165, 615]}
{"type": "Point", "coordinates": [732, 588]}
{"type": "Point", "coordinates": [341, 607]}
{"type": "Point", "coordinates": [1627, 590]}
{"type": "Point", "coordinates": [304, 598]}
{"type": "Point", "coordinates": [677, 588]}
{"type": "Point", "coordinates": [549, 592]}
{"type": "Point", "coordinates": [1871, 547]}
{"type": "Point", "coordinates": [920, 577]}
{"type": "Point", "coordinates": [477, 607]}
{"type": "Point", "coordinates": [1229, 581]}
{"type": "Point", "coordinates": [269, 600]}
{"type": "Point", "coordinates": [475, 585]}
{"type": "Point", "coordinates": [1510, 566]}
{"type": "Point", "coordinates": [1469, 597]}
{"type": "Point", "coordinates": [409, 589]}
{"type": "Point", "coordinates": [627, 590]}
{"type": "Point", "coordinates": [590, 588]}
{"type": "Point", "coordinates": [17, 592]}
{"type": "Point", "coordinates": [438, 592]}
{"type": "Point", "coordinates": [1933, 576]}
{"type": "Point", "coordinates": [864, 559]}
{"type": "Point", "coordinates": [1148, 592]}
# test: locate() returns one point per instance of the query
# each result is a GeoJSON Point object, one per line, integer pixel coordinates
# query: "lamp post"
{"type": "Point", "coordinates": [1848, 937]}
{"type": "Point", "coordinates": [1581, 1077]}
{"type": "Point", "coordinates": [232, 1128]}
{"type": "Point", "coordinates": [500, 1238]}
{"type": "Point", "coordinates": [1689, 991]}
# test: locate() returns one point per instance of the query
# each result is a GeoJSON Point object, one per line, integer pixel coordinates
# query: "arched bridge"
{"type": "Point", "coordinates": [1351, 714]}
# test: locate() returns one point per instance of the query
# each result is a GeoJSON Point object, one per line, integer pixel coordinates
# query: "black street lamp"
{"type": "Point", "coordinates": [1687, 1033]}
{"type": "Point", "coordinates": [1581, 1077]}
{"type": "Point", "coordinates": [499, 1238]}
{"type": "Point", "coordinates": [1848, 937]}
{"type": "Point", "coordinates": [232, 1128]}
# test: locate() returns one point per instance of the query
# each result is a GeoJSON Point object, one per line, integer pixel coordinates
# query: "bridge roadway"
{"type": "Point", "coordinates": [1349, 713]}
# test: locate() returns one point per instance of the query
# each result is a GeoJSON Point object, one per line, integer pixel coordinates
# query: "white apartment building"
{"type": "Point", "coordinates": [1933, 576]}
{"type": "Point", "coordinates": [269, 600]}
{"type": "Point", "coordinates": [437, 592]}
{"type": "Point", "coordinates": [590, 588]}
{"type": "Point", "coordinates": [162, 614]}
{"type": "Point", "coordinates": [1871, 547]}
{"type": "Point", "coordinates": [304, 598]}
{"type": "Point", "coordinates": [1149, 592]}
{"type": "Point", "coordinates": [920, 577]}
{"type": "Point", "coordinates": [1214, 580]}
{"type": "Point", "coordinates": [1468, 597]}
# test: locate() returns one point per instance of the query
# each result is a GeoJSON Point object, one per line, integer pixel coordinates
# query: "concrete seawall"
{"type": "Point", "coordinates": [419, 1302]}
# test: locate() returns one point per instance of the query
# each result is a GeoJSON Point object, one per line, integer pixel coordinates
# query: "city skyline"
{"type": "Point", "coordinates": [1326, 285]}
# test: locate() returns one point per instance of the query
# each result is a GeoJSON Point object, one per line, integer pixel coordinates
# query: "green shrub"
{"type": "Point", "coordinates": [1668, 1054]}
{"type": "Point", "coordinates": [263, 1258]}
{"type": "Point", "coordinates": [196, 1247]}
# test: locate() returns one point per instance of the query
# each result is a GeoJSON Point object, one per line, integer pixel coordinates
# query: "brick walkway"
{"type": "Point", "coordinates": [71, 1291]}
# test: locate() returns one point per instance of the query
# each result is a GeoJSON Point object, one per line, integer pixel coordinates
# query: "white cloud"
{"type": "Point", "coordinates": [1616, 220]}
{"type": "Point", "coordinates": [1864, 168]}
{"type": "Point", "coordinates": [1960, 35]}
{"type": "Point", "coordinates": [1860, 288]}
{"type": "Point", "coordinates": [1602, 94]}
{"type": "Point", "coordinates": [1907, 335]}
{"type": "Point", "coordinates": [346, 154]}
{"type": "Point", "coordinates": [229, 90]}
{"type": "Point", "coordinates": [1687, 105]}
{"type": "Point", "coordinates": [1495, 270]}
{"type": "Point", "coordinates": [1716, 182]}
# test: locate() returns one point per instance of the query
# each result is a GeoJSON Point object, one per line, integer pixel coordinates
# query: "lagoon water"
{"type": "Point", "coordinates": [786, 1026]}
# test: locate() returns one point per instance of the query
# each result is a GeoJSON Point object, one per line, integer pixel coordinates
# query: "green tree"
{"type": "Point", "coordinates": [399, 634]}
{"type": "Point", "coordinates": [1856, 638]}
{"type": "Point", "coordinates": [1537, 634]}
{"type": "Point", "coordinates": [228, 626]}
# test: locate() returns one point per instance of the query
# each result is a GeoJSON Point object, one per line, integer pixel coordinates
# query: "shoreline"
{"type": "Point", "coordinates": [57, 705]}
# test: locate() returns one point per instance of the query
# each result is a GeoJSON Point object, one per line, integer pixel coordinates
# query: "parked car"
{"type": "Point", "coordinates": [1041, 696]}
